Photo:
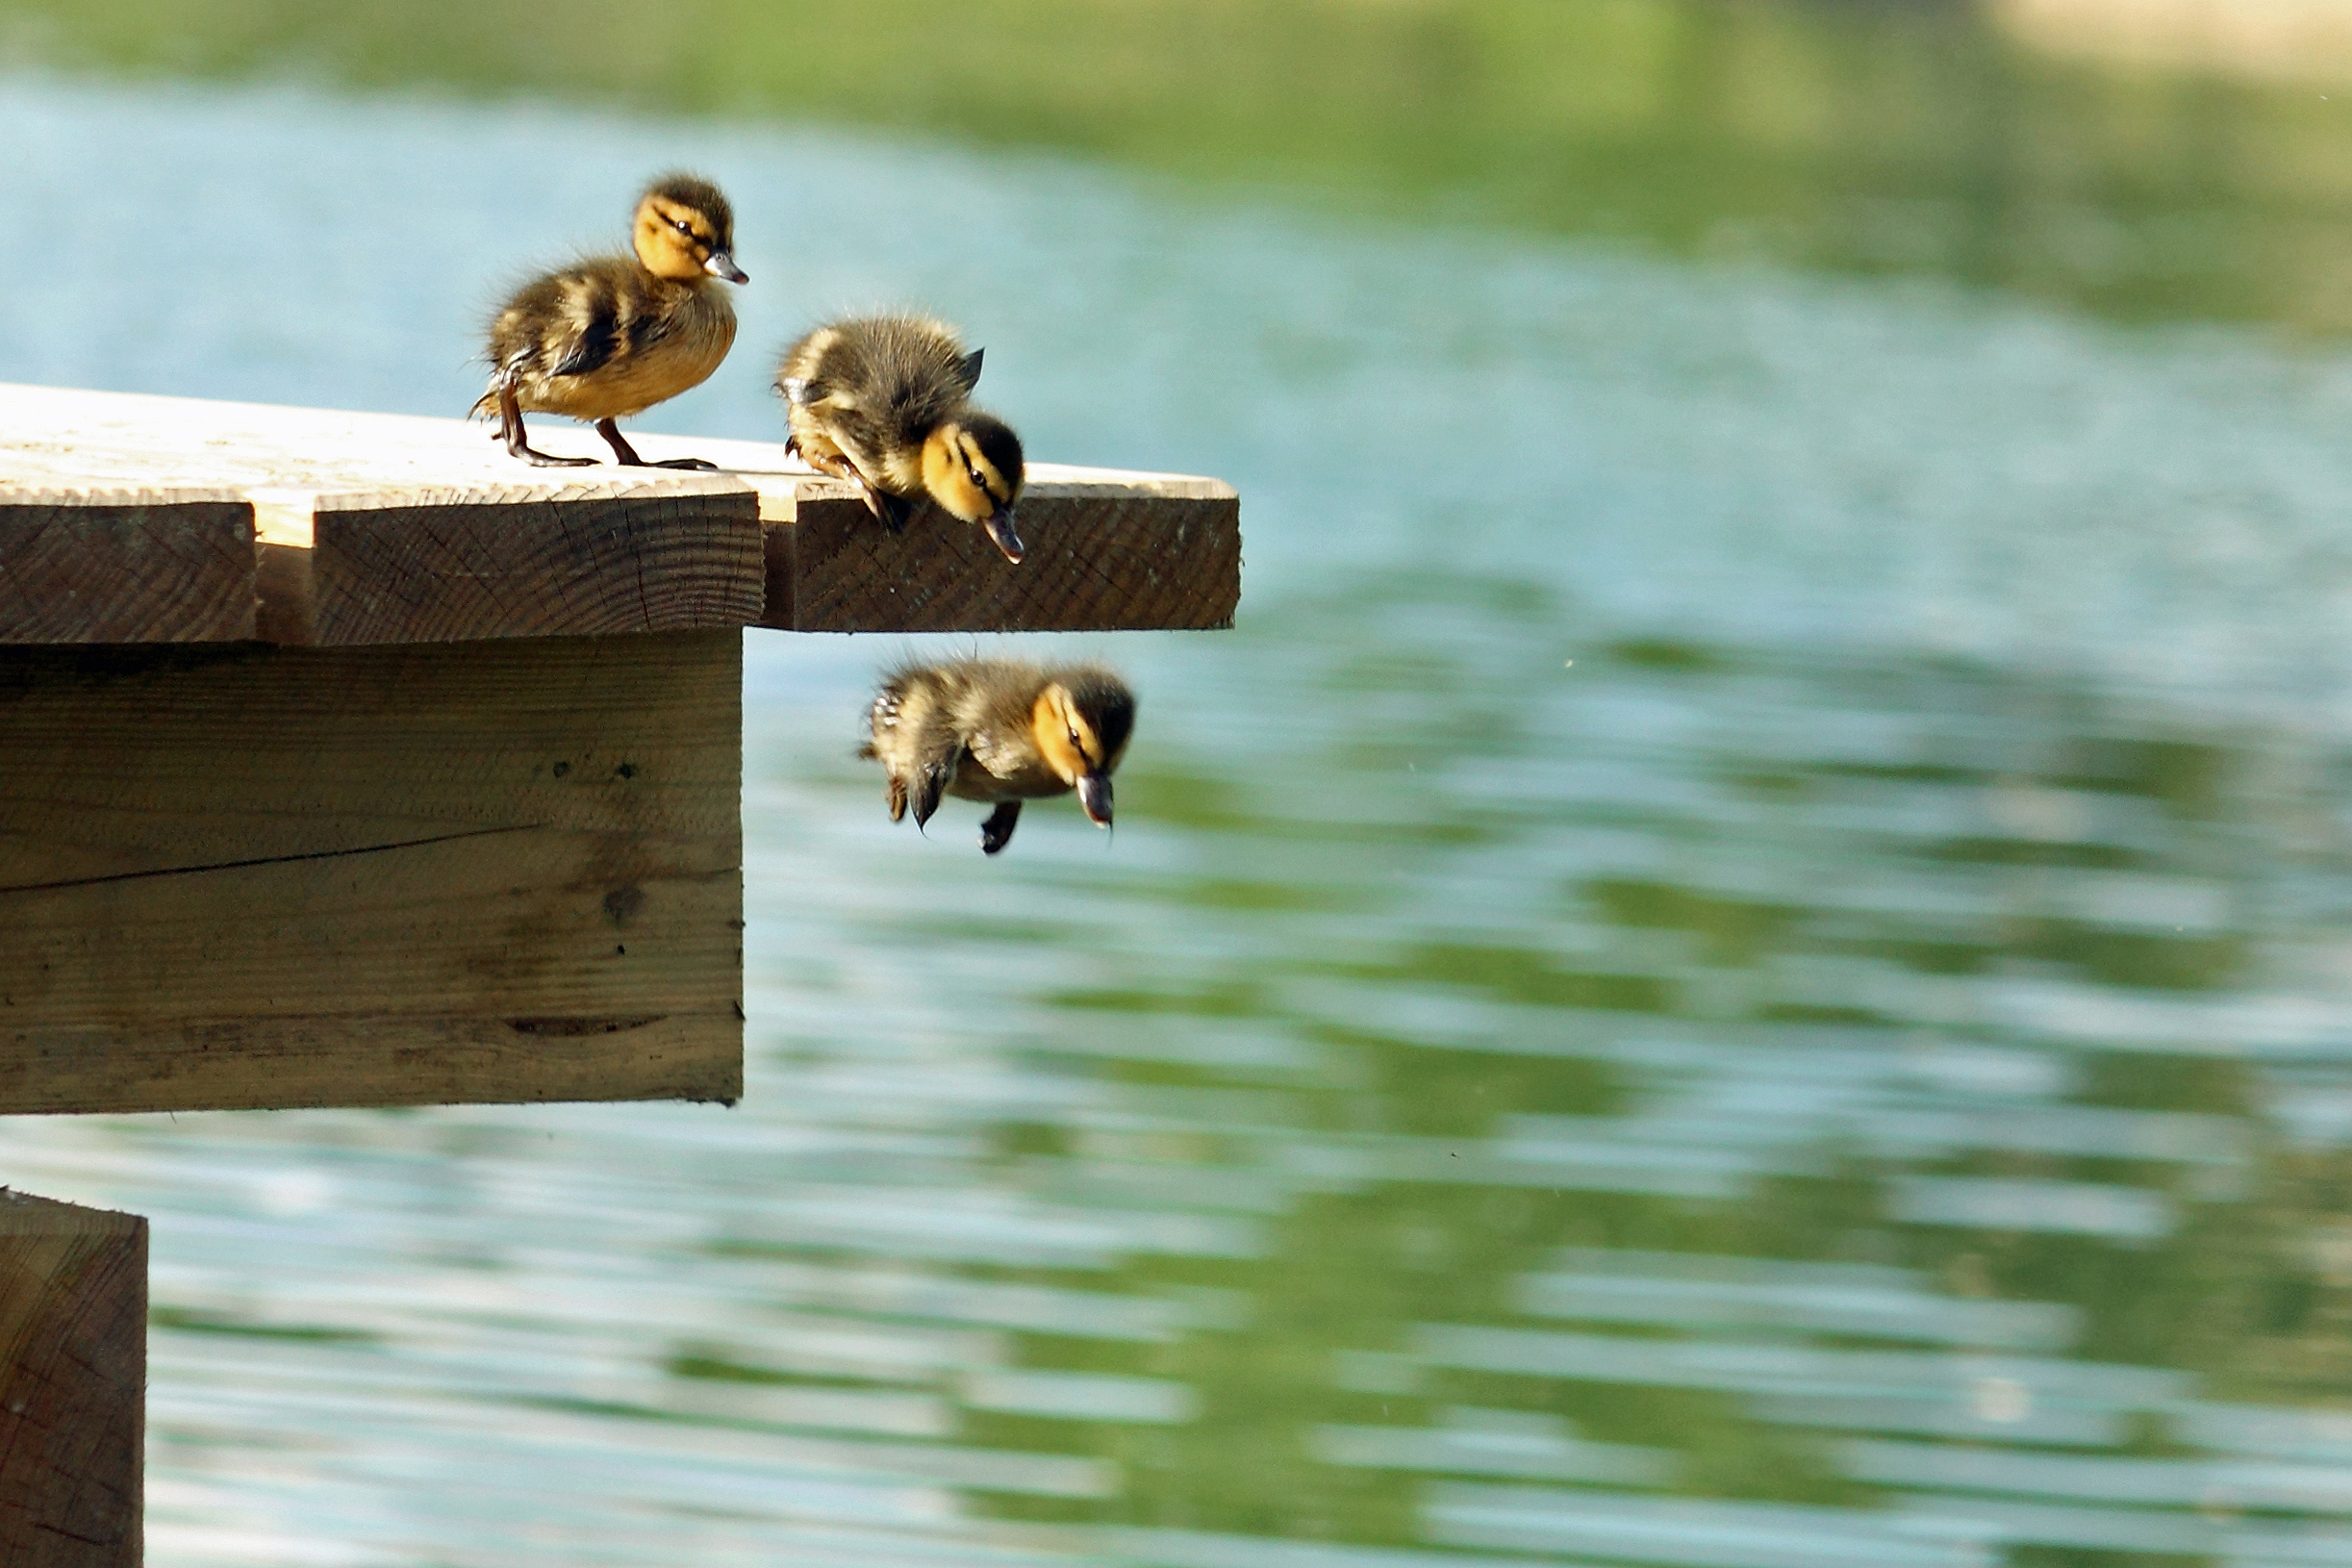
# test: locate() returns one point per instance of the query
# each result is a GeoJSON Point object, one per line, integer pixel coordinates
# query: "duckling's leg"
{"type": "Point", "coordinates": [627, 454]}
{"type": "Point", "coordinates": [510, 431]}
{"type": "Point", "coordinates": [932, 776]}
{"type": "Point", "coordinates": [888, 509]}
{"type": "Point", "coordinates": [998, 832]}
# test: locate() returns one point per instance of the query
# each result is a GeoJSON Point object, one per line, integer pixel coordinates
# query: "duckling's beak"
{"type": "Point", "coordinates": [1095, 795]}
{"type": "Point", "coordinates": [723, 265]}
{"type": "Point", "coordinates": [1000, 526]}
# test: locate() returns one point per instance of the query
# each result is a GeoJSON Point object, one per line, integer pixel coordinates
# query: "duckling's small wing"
{"type": "Point", "coordinates": [599, 336]}
{"type": "Point", "coordinates": [968, 369]}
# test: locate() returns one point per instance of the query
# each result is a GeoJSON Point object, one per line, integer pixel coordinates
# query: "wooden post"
{"type": "Point", "coordinates": [73, 1383]}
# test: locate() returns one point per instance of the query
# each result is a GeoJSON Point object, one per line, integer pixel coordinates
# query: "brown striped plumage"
{"type": "Point", "coordinates": [999, 731]}
{"type": "Point", "coordinates": [612, 336]}
{"type": "Point", "coordinates": [883, 401]}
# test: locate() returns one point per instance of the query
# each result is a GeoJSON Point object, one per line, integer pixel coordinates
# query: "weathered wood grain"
{"type": "Point", "coordinates": [422, 574]}
{"type": "Point", "coordinates": [256, 876]}
{"type": "Point", "coordinates": [125, 565]}
{"type": "Point", "coordinates": [380, 528]}
{"type": "Point", "coordinates": [73, 1383]}
{"type": "Point", "coordinates": [1097, 560]}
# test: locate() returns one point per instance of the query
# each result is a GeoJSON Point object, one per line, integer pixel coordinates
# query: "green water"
{"type": "Point", "coordinates": [1741, 962]}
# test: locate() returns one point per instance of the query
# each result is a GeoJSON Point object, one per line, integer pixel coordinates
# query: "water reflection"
{"type": "Point", "coordinates": [1887, 1144]}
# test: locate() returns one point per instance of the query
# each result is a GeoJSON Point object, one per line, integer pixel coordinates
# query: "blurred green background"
{"type": "Point", "coordinates": [2144, 158]}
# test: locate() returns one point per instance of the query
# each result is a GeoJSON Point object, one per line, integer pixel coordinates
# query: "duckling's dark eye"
{"type": "Point", "coordinates": [1073, 739]}
{"type": "Point", "coordinates": [683, 227]}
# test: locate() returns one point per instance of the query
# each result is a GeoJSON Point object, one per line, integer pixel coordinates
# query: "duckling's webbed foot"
{"type": "Point", "coordinates": [627, 454]}
{"type": "Point", "coordinates": [998, 830]}
{"type": "Point", "coordinates": [518, 444]}
{"type": "Point", "coordinates": [541, 460]}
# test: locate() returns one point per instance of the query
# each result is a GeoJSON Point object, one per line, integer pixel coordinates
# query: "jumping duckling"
{"type": "Point", "coordinates": [883, 402]}
{"type": "Point", "coordinates": [987, 729]}
{"type": "Point", "coordinates": [612, 336]}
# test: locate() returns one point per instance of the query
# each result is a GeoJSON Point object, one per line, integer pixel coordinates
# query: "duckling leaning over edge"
{"type": "Point", "coordinates": [611, 335]}
{"type": "Point", "coordinates": [993, 730]}
{"type": "Point", "coordinates": [883, 402]}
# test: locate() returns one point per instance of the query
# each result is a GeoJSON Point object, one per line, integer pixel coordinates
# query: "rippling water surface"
{"type": "Point", "coordinates": [1741, 962]}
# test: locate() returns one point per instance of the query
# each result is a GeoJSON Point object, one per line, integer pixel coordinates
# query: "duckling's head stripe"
{"type": "Point", "coordinates": [694, 192]}
{"type": "Point", "coordinates": [1107, 703]}
{"type": "Point", "coordinates": [998, 443]}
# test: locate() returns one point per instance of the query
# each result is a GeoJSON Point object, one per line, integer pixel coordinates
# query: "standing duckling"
{"type": "Point", "coordinates": [987, 729]}
{"type": "Point", "coordinates": [883, 402]}
{"type": "Point", "coordinates": [612, 336]}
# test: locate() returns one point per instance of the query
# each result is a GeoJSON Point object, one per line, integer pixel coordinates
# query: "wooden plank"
{"type": "Point", "coordinates": [1106, 552]}
{"type": "Point", "coordinates": [372, 527]}
{"type": "Point", "coordinates": [74, 1384]}
{"type": "Point", "coordinates": [262, 876]}
{"type": "Point", "coordinates": [393, 569]}
{"type": "Point", "coordinates": [125, 564]}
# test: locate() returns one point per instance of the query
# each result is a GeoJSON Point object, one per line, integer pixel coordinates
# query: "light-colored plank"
{"type": "Point", "coordinates": [387, 528]}
{"type": "Point", "coordinates": [259, 877]}
{"type": "Point", "coordinates": [74, 1384]}
{"type": "Point", "coordinates": [390, 528]}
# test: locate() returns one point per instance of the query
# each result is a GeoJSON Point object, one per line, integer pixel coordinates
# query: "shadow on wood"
{"type": "Point", "coordinates": [248, 876]}
{"type": "Point", "coordinates": [126, 567]}
{"type": "Point", "coordinates": [74, 1384]}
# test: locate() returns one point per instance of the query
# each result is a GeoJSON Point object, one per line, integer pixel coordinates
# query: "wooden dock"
{"type": "Point", "coordinates": [162, 520]}
{"type": "Point", "coordinates": [351, 762]}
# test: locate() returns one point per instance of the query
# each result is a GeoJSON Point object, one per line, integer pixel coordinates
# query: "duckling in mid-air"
{"type": "Point", "coordinates": [987, 729]}
{"type": "Point", "coordinates": [612, 336]}
{"type": "Point", "coordinates": [883, 402]}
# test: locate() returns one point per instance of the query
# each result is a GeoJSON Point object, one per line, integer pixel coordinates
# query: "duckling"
{"type": "Point", "coordinates": [611, 335]}
{"type": "Point", "coordinates": [993, 730]}
{"type": "Point", "coordinates": [882, 402]}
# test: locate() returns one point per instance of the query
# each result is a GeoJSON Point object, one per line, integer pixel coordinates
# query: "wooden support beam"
{"type": "Point", "coordinates": [379, 528]}
{"type": "Point", "coordinates": [74, 1384]}
{"type": "Point", "coordinates": [255, 876]}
